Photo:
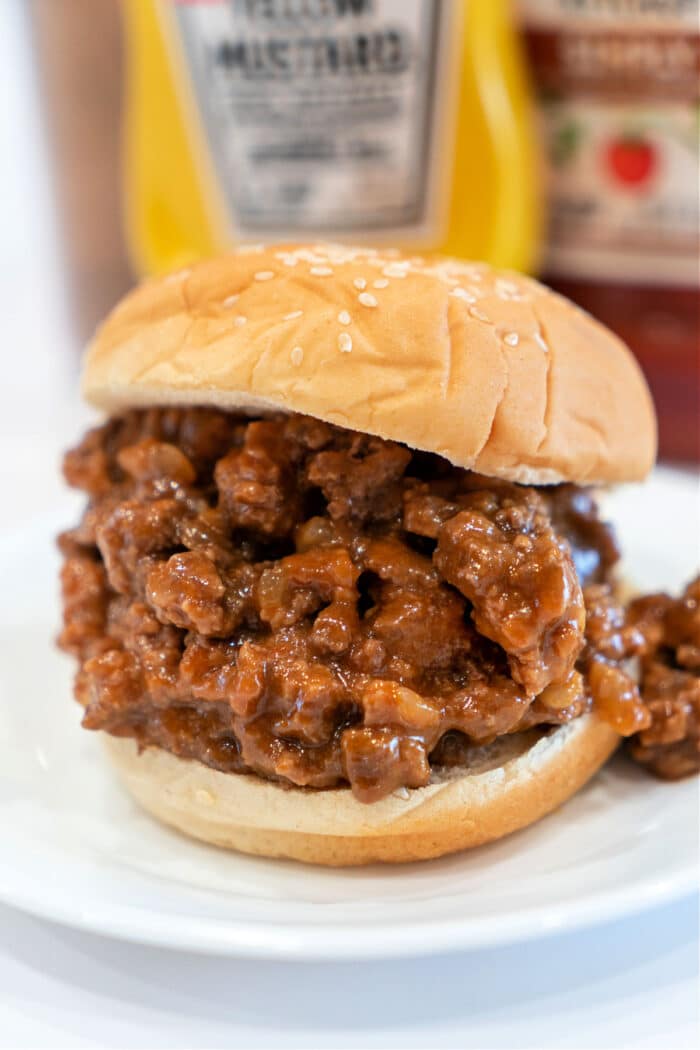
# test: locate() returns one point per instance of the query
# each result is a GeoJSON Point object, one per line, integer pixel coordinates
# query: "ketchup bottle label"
{"type": "Point", "coordinates": [620, 108]}
{"type": "Point", "coordinates": [319, 115]}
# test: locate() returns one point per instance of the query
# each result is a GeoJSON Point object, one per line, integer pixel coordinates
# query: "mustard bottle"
{"type": "Point", "coordinates": [403, 122]}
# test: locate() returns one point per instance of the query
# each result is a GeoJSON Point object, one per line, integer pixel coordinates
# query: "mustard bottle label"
{"type": "Point", "coordinates": [320, 116]}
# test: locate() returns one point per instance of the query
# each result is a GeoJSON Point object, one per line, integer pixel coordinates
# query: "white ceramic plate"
{"type": "Point", "coordinates": [74, 849]}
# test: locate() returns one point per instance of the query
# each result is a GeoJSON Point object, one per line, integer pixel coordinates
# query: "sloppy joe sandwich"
{"type": "Point", "coordinates": [341, 592]}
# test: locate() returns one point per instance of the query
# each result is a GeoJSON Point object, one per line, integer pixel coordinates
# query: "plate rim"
{"type": "Point", "coordinates": [299, 942]}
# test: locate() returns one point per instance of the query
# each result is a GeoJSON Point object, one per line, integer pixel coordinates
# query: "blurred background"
{"type": "Point", "coordinates": [553, 136]}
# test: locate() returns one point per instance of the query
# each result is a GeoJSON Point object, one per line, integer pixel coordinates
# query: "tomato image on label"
{"type": "Point", "coordinates": [632, 161]}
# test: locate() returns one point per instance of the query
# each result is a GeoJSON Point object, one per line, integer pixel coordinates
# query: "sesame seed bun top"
{"type": "Point", "coordinates": [489, 369]}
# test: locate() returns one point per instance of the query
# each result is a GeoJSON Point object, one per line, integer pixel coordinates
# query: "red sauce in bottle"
{"type": "Point", "coordinates": [618, 84]}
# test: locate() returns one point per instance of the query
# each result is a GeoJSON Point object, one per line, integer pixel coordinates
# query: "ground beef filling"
{"type": "Point", "coordinates": [670, 680]}
{"type": "Point", "coordinates": [323, 607]}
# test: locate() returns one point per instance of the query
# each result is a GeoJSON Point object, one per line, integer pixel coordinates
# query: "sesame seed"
{"type": "Point", "coordinates": [290, 260]}
{"type": "Point", "coordinates": [239, 321]}
{"type": "Point", "coordinates": [344, 317]}
{"type": "Point", "coordinates": [264, 275]}
{"type": "Point", "coordinates": [394, 270]}
{"type": "Point", "coordinates": [345, 342]}
{"type": "Point", "coordinates": [381, 283]}
{"type": "Point", "coordinates": [230, 300]}
{"type": "Point", "coordinates": [541, 342]}
{"type": "Point", "coordinates": [472, 273]}
{"type": "Point", "coordinates": [506, 287]}
{"type": "Point", "coordinates": [511, 338]}
{"type": "Point", "coordinates": [462, 293]}
{"type": "Point", "coordinates": [297, 355]}
{"type": "Point", "coordinates": [360, 283]}
{"type": "Point", "coordinates": [321, 271]}
{"type": "Point", "coordinates": [479, 315]}
{"type": "Point", "coordinates": [293, 315]}
{"type": "Point", "coordinates": [367, 299]}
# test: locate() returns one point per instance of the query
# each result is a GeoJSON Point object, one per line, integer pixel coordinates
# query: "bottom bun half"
{"type": "Point", "coordinates": [503, 788]}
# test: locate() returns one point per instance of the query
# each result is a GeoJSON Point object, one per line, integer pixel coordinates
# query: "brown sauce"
{"type": "Point", "coordinates": [323, 607]}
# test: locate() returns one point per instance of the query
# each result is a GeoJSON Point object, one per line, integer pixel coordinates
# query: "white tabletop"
{"type": "Point", "coordinates": [628, 984]}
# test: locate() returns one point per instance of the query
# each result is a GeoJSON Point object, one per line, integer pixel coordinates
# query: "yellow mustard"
{"type": "Point", "coordinates": [401, 122]}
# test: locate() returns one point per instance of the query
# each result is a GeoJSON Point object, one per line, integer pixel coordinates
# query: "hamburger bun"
{"type": "Point", "coordinates": [489, 369]}
{"type": "Point", "coordinates": [508, 785]}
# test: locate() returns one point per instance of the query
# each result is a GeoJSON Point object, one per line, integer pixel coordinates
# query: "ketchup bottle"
{"type": "Point", "coordinates": [618, 86]}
